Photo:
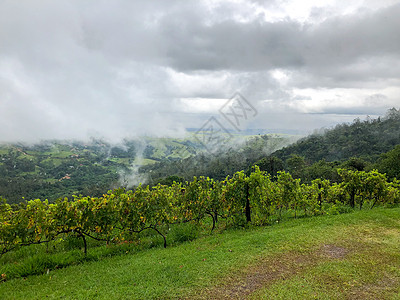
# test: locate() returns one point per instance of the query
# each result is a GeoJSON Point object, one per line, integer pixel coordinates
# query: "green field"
{"type": "Point", "coordinates": [349, 256]}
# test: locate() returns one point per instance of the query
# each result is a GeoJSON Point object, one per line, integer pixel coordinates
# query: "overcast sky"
{"type": "Point", "coordinates": [122, 68]}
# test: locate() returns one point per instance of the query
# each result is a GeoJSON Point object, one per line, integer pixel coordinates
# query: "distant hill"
{"type": "Point", "coordinates": [364, 139]}
{"type": "Point", "coordinates": [234, 156]}
{"type": "Point", "coordinates": [54, 169]}
{"type": "Point", "coordinates": [357, 145]}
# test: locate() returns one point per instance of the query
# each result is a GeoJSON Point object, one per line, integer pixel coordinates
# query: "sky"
{"type": "Point", "coordinates": [118, 69]}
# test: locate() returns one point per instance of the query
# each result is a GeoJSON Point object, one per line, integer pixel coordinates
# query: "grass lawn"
{"type": "Point", "coordinates": [350, 256]}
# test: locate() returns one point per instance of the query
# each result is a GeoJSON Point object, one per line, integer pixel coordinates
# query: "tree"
{"type": "Point", "coordinates": [351, 182]}
{"type": "Point", "coordinates": [389, 163]}
{"type": "Point", "coordinates": [271, 164]}
{"type": "Point", "coordinates": [296, 166]}
{"type": "Point", "coordinates": [355, 163]}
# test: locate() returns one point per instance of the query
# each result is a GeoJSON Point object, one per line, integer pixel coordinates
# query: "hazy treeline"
{"type": "Point", "coordinates": [56, 170]}
{"type": "Point", "coordinates": [360, 145]}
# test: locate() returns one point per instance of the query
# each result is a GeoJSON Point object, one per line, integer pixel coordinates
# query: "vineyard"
{"type": "Point", "coordinates": [119, 216]}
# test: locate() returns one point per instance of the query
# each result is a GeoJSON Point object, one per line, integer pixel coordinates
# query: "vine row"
{"type": "Point", "coordinates": [240, 199]}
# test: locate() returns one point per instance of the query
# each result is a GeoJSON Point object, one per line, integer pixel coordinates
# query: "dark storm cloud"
{"type": "Point", "coordinates": [326, 49]}
{"type": "Point", "coordinates": [231, 45]}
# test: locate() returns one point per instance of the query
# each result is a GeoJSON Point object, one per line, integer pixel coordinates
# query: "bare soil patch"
{"type": "Point", "coordinates": [374, 291]}
{"type": "Point", "coordinates": [333, 251]}
{"type": "Point", "coordinates": [268, 271]}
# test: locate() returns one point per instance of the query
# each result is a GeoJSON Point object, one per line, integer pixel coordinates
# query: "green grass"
{"type": "Point", "coordinates": [370, 269]}
{"type": "Point", "coordinates": [212, 265]}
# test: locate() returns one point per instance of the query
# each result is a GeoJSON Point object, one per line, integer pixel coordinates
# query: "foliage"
{"type": "Point", "coordinates": [361, 139]}
{"type": "Point", "coordinates": [211, 267]}
{"type": "Point", "coordinates": [389, 163]}
{"type": "Point", "coordinates": [231, 158]}
{"type": "Point", "coordinates": [54, 169]}
{"type": "Point", "coordinates": [57, 169]}
{"type": "Point", "coordinates": [121, 215]}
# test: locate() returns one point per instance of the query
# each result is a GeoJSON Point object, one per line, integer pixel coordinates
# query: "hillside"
{"type": "Point", "coordinates": [332, 239]}
{"type": "Point", "coordinates": [358, 145]}
{"type": "Point", "coordinates": [364, 139]}
{"type": "Point", "coordinates": [54, 169]}
{"type": "Point", "coordinates": [229, 159]}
